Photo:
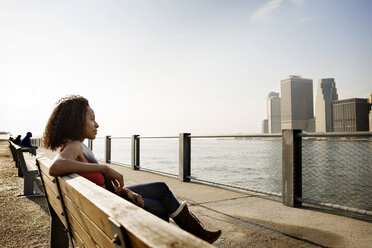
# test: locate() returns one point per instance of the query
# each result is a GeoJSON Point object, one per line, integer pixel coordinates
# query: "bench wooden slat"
{"type": "Point", "coordinates": [56, 205]}
{"type": "Point", "coordinates": [51, 194]}
{"type": "Point", "coordinates": [97, 216]}
{"type": "Point", "coordinates": [77, 238]}
{"type": "Point", "coordinates": [78, 217]}
{"type": "Point", "coordinates": [50, 183]}
{"type": "Point", "coordinates": [51, 191]}
{"type": "Point", "coordinates": [44, 165]}
{"type": "Point", "coordinates": [79, 233]}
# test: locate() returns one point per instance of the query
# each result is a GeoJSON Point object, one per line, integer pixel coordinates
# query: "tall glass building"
{"type": "Point", "coordinates": [296, 103]}
{"type": "Point", "coordinates": [326, 94]}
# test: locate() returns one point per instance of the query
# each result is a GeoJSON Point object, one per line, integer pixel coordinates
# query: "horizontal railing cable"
{"type": "Point", "coordinates": [335, 206]}
{"type": "Point", "coordinates": [237, 187]}
{"type": "Point", "coordinates": [238, 136]}
{"type": "Point", "coordinates": [159, 137]}
{"type": "Point", "coordinates": [119, 163]}
{"type": "Point", "coordinates": [158, 172]}
{"type": "Point", "coordinates": [336, 134]}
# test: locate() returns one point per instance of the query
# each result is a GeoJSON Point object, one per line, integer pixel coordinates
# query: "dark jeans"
{"type": "Point", "coordinates": [158, 199]}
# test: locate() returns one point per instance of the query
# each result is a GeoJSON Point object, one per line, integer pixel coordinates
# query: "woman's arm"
{"type": "Point", "coordinates": [66, 162]}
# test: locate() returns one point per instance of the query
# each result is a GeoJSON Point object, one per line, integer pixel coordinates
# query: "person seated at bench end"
{"type": "Point", "coordinates": [26, 142]}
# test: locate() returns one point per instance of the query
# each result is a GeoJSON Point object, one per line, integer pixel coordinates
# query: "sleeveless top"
{"type": "Point", "coordinates": [96, 178]}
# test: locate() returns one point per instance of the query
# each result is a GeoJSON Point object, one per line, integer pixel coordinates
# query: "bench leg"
{"type": "Point", "coordinates": [29, 189]}
{"type": "Point", "coordinates": [58, 235]}
{"type": "Point", "coordinates": [20, 172]}
{"type": "Point", "coordinates": [28, 185]}
{"type": "Point", "coordinates": [38, 190]}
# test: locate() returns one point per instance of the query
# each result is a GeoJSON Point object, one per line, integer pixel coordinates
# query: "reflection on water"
{"type": "Point", "coordinates": [334, 170]}
{"type": "Point", "coordinates": [338, 171]}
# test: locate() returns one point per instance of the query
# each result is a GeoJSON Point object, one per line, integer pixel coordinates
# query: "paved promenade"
{"type": "Point", "coordinates": [252, 221]}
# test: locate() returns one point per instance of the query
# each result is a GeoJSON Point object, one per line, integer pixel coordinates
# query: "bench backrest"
{"type": "Point", "coordinates": [17, 157]}
{"type": "Point", "coordinates": [12, 149]}
{"type": "Point", "coordinates": [96, 217]}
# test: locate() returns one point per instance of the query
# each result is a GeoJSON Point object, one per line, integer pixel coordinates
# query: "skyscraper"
{"type": "Point", "coordinates": [351, 115]}
{"type": "Point", "coordinates": [296, 102]}
{"type": "Point", "coordinates": [273, 113]}
{"type": "Point", "coordinates": [327, 93]}
{"type": "Point", "coordinates": [264, 126]}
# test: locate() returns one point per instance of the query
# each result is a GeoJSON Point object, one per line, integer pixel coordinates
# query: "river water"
{"type": "Point", "coordinates": [335, 171]}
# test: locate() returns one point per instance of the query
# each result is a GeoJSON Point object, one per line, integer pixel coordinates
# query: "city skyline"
{"type": "Point", "coordinates": [161, 68]}
{"type": "Point", "coordinates": [352, 114]}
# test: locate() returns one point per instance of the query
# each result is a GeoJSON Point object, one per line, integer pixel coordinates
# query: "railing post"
{"type": "Point", "coordinates": [135, 152]}
{"type": "Point", "coordinates": [108, 149]}
{"type": "Point", "coordinates": [185, 157]}
{"type": "Point", "coordinates": [291, 167]}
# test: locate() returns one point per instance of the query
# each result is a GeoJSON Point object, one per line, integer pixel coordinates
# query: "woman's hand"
{"type": "Point", "coordinates": [135, 198]}
{"type": "Point", "coordinates": [132, 196]}
{"type": "Point", "coordinates": [116, 178]}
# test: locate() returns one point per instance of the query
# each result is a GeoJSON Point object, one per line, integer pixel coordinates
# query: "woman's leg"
{"type": "Point", "coordinates": [189, 222]}
{"type": "Point", "coordinates": [157, 197]}
{"type": "Point", "coordinates": [155, 207]}
{"type": "Point", "coordinates": [160, 201]}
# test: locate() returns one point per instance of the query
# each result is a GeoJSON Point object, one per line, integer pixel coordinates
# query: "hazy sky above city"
{"type": "Point", "coordinates": [164, 67]}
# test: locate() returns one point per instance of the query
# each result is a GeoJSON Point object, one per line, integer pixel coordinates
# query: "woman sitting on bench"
{"type": "Point", "coordinates": [71, 122]}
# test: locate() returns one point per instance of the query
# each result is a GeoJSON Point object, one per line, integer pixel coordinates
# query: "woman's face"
{"type": "Point", "coordinates": [90, 130]}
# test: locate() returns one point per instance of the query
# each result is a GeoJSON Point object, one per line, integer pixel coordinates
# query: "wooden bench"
{"type": "Point", "coordinates": [88, 215]}
{"type": "Point", "coordinates": [26, 164]}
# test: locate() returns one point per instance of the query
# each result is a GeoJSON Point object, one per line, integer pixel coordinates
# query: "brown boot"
{"type": "Point", "coordinates": [188, 222]}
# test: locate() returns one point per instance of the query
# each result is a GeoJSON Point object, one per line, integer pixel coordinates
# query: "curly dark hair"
{"type": "Point", "coordinates": [66, 123]}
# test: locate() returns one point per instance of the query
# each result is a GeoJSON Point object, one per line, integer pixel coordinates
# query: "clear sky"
{"type": "Point", "coordinates": [164, 67]}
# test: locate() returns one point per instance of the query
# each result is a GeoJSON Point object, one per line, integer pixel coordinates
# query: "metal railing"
{"type": "Point", "coordinates": [246, 162]}
{"type": "Point", "coordinates": [36, 142]}
{"type": "Point", "coordinates": [336, 170]}
{"type": "Point", "coordinates": [331, 170]}
{"type": "Point", "coordinates": [159, 154]}
{"type": "Point", "coordinates": [121, 150]}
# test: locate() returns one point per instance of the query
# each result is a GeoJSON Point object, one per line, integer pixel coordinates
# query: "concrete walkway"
{"type": "Point", "coordinates": [251, 221]}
